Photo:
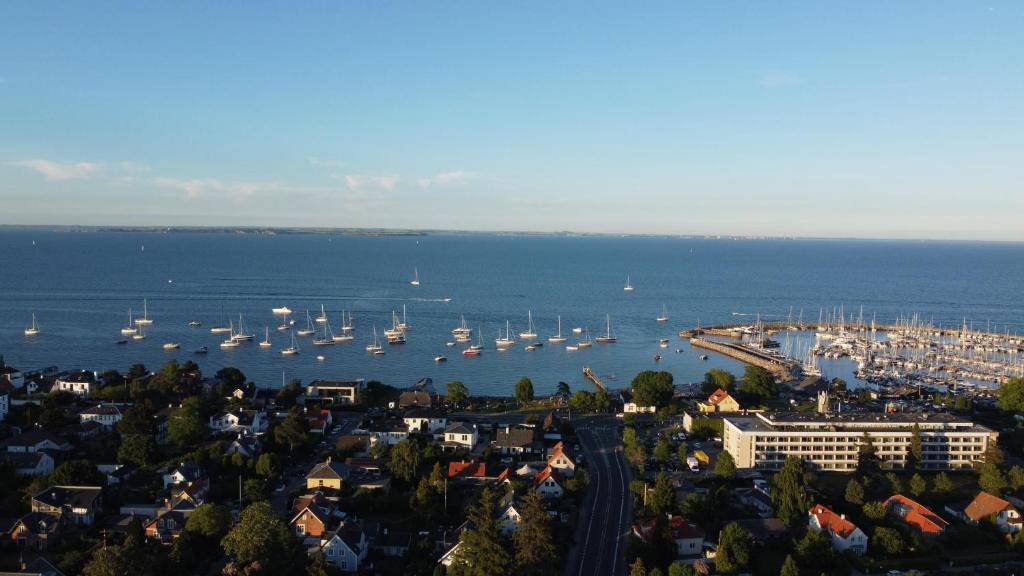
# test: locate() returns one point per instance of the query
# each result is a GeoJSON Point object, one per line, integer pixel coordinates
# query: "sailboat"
{"type": "Point", "coordinates": [285, 324]}
{"type": "Point", "coordinates": [309, 326]}
{"type": "Point", "coordinates": [221, 329]}
{"type": "Point", "coordinates": [32, 330]}
{"type": "Point", "coordinates": [291, 350]}
{"type": "Point", "coordinates": [346, 325]}
{"type": "Point", "coordinates": [479, 346]}
{"type": "Point", "coordinates": [607, 338]}
{"type": "Point", "coordinates": [374, 346]}
{"type": "Point", "coordinates": [664, 314]}
{"type": "Point", "coordinates": [144, 321]}
{"type": "Point", "coordinates": [266, 339]}
{"type": "Point", "coordinates": [403, 325]}
{"type": "Point", "coordinates": [230, 342]}
{"type": "Point", "coordinates": [415, 277]}
{"type": "Point", "coordinates": [628, 287]}
{"type": "Point", "coordinates": [462, 329]}
{"type": "Point", "coordinates": [507, 340]}
{"type": "Point", "coordinates": [326, 340]}
{"type": "Point", "coordinates": [346, 331]}
{"type": "Point", "coordinates": [130, 329]}
{"type": "Point", "coordinates": [322, 318]}
{"type": "Point", "coordinates": [531, 331]}
{"type": "Point", "coordinates": [585, 343]}
{"type": "Point", "coordinates": [395, 333]}
{"type": "Point", "coordinates": [557, 338]}
{"type": "Point", "coordinates": [138, 335]}
{"type": "Point", "coordinates": [242, 335]}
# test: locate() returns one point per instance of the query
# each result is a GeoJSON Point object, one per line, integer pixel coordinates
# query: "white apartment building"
{"type": "Point", "coordinates": [832, 441]}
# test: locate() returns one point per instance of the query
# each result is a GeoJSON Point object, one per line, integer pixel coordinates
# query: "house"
{"type": "Point", "coordinates": [469, 471]}
{"type": "Point", "coordinates": [312, 521]}
{"type": "Point", "coordinates": [517, 440]}
{"type": "Point", "coordinates": [116, 473]}
{"type": "Point", "coordinates": [184, 473]}
{"type": "Point", "coordinates": [327, 474]}
{"type": "Point", "coordinates": [764, 531]}
{"type": "Point", "coordinates": [38, 567]}
{"type": "Point", "coordinates": [509, 515]}
{"type": "Point", "coordinates": [37, 440]}
{"type": "Point", "coordinates": [247, 446]}
{"type": "Point", "coordinates": [915, 515]}
{"type": "Point", "coordinates": [241, 421]}
{"type": "Point", "coordinates": [11, 375]}
{"type": "Point", "coordinates": [195, 491]}
{"type": "Point", "coordinates": [719, 401]}
{"type": "Point", "coordinates": [29, 463]}
{"type": "Point", "coordinates": [5, 404]}
{"type": "Point", "coordinates": [37, 531]}
{"type": "Point", "coordinates": [551, 428]}
{"type": "Point", "coordinates": [845, 535]}
{"type": "Point", "coordinates": [335, 391]}
{"type": "Point", "coordinates": [169, 523]}
{"type": "Point", "coordinates": [688, 537]}
{"type": "Point", "coordinates": [320, 421]}
{"type": "Point", "coordinates": [631, 407]}
{"type": "Point", "coordinates": [561, 461]}
{"type": "Point", "coordinates": [1005, 516]}
{"type": "Point", "coordinates": [345, 548]}
{"type": "Point", "coordinates": [79, 383]}
{"type": "Point", "coordinates": [77, 503]}
{"type": "Point", "coordinates": [389, 431]}
{"type": "Point", "coordinates": [392, 543]}
{"type": "Point", "coordinates": [460, 435]}
{"type": "Point", "coordinates": [549, 483]}
{"type": "Point", "coordinates": [105, 414]}
{"type": "Point", "coordinates": [756, 500]}
{"type": "Point", "coordinates": [415, 398]}
{"type": "Point", "coordinates": [425, 419]}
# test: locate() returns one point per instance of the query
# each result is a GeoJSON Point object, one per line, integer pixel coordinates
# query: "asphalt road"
{"type": "Point", "coordinates": [295, 475]}
{"type": "Point", "coordinates": [604, 520]}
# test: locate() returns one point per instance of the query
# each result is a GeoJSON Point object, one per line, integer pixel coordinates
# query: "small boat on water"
{"type": "Point", "coordinates": [702, 357]}
{"type": "Point", "coordinates": [32, 330]}
{"type": "Point", "coordinates": [507, 340]}
{"type": "Point", "coordinates": [577, 330]}
{"type": "Point", "coordinates": [557, 338]}
{"type": "Point", "coordinates": [282, 311]}
{"type": "Point", "coordinates": [663, 342]}
{"type": "Point", "coordinates": [403, 325]}
{"type": "Point", "coordinates": [220, 330]}
{"type": "Point", "coordinates": [585, 343]}
{"type": "Point", "coordinates": [346, 325]}
{"type": "Point", "coordinates": [449, 344]}
{"type": "Point", "coordinates": [571, 348]}
{"type": "Point", "coordinates": [374, 346]}
{"type": "Point", "coordinates": [320, 358]}
{"type": "Point", "coordinates": [415, 277]}
{"type": "Point", "coordinates": [664, 314]}
{"type": "Point", "coordinates": [608, 338]}
{"type": "Point", "coordinates": [195, 323]}
{"type": "Point", "coordinates": [628, 287]}
{"type": "Point", "coordinates": [531, 348]}
{"type": "Point", "coordinates": [472, 352]}
{"type": "Point", "coordinates": [138, 336]}
{"type": "Point", "coordinates": [130, 329]}
{"type": "Point", "coordinates": [380, 352]}
{"type": "Point", "coordinates": [308, 330]}
{"type": "Point", "coordinates": [291, 350]}
{"type": "Point", "coordinates": [657, 357]}
{"type": "Point", "coordinates": [266, 339]}
{"type": "Point", "coordinates": [531, 331]}
{"type": "Point", "coordinates": [119, 342]}
{"type": "Point", "coordinates": [145, 320]}
{"type": "Point", "coordinates": [440, 359]}
{"type": "Point", "coordinates": [171, 346]}
{"type": "Point", "coordinates": [322, 318]}
{"type": "Point", "coordinates": [479, 346]}
{"type": "Point", "coordinates": [201, 350]}
{"type": "Point", "coordinates": [394, 331]}
{"type": "Point", "coordinates": [242, 335]}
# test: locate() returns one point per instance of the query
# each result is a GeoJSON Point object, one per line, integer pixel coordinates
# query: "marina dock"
{"type": "Point", "coordinates": [782, 369]}
{"type": "Point", "coordinates": [589, 375]}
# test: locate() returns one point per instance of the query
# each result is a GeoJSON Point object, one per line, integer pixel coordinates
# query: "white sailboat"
{"type": "Point", "coordinates": [139, 335]}
{"type": "Point", "coordinates": [346, 325]}
{"type": "Point", "coordinates": [462, 329]}
{"type": "Point", "coordinates": [394, 331]}
{"type": "Point", "coordinates": [130, 329]}
{"type": "Point", "coordinates": [664, 314]}
{"type": "Point", "coordinates": [415, 277]}
{"type": "Point", "coordinates": [346, 331]}
{"type": "Point", "coordinates": [608, 338]}
{"type": "Point", "coordinates": [144, 321]}
{"type": "Point", "coordinates": [230, 342]}
{"type": "Point", "coordinates": [479, 341]}
{"type": "Point", "coordinates": [585, 343]}
{"type": "Point", "coordinates": [557, 338]}
{"type": "Point", "coordinates": [285, 324]}
{"type": "Point", "coordinates": [374, 346]}
{"type": "Point", "coordinates": [308, 330]}
{"type": "Point", "coordinates": [531, 331]}
{"type": "Point", "coordinates": [403, 325]}
{"type": "Point", "coordinates": [266, 339]}
{"type": "Point", "coordinates": [322, 318]}
{"type": "Point", "coordinates": [32, 330]}
{"type": "Point", "coordinates": [628, 287]}
{"type": "Point", "coordinates": [291, 350]}
{"type": "Point", "coordinates": [282, 311]}
{"type": "Point", "coordinates": [508, 340]}
{"type": "Point", "coordinates": [242, 335]}
{"type": "Point", "coordinates": [328, 337]}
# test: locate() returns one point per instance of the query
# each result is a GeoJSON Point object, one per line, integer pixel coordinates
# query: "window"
{"type": "Point", "coordinates": [300, 529]}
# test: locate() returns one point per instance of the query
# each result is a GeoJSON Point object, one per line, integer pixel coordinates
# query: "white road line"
{"type": "Point", "coordinates": [590, 522]}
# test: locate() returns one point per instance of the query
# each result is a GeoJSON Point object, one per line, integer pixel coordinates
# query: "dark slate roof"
{"type": "Point", "coordinates": [515, 437]}
{"type": "Point", "coordinates": [330, 469]}
{"type": "Point", "coordinates": [73, 496]}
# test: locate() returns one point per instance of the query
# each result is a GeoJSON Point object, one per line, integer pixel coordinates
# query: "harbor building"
{"type": "Point", "coordinates": [831, 442]}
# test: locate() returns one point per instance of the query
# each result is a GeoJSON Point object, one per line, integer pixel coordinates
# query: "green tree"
{"type": "Point", "coordinates": [137, 371]}
{"type": "Point", "coordinates": [563, 389]}
{"type": "Point", "coordinates": [662, 498]}
{"type": "Point", "coordinates": [185, 427]}
{"type": "Point", "coordinates": [168, 379]}
{"type": "Point", "coordinates": [888, 540]}
{"type": "Point", "coordinates": [481, 550]}
{"type": "Point", "coordinates": [734, 546]}
{"type": "Point", "coordinates": [717, 378]}
{"type": "Point", "coordinates": [293, 430]}
{"type": "Point", "coordinates": [662, 450]}
{"type": "Point", "coordinates": [268, 465]}
{"type": "Point", "coordinates": [582, 401]}
{"type": "Point", "coordinates": [209, 521]}
{"type": "Point", "coordinates": [1011, 395]}
{"type": "Point", "coordinates": [1016, 478]}
{"type": "Point", "coordinates": [814, 553]}
{"type": "Point", "coordinates": [942, 484]}
{"type": "Point", "coordinates": [318, 566]}
{"type": "Point", "coordinates": [759, 382]}
{"type": "Point", "coordinates": [137, 449]}
{"type": "Point", "coordinates": [405, 459]}
{"type": "Point", "coordinates": [868, 463]}
{"type": "Point", "coordinates": [109, 561]}
{"type": "Point", "coordinates": [230, 377]}
{"type": "Point", "coordinates": [789, 567]}
{"type": "Point", "coordinates": [854, 492]}
{"type": "Point", "coordinates": [262, 538]}
{"type": "Point", "coordinates": [992, 479]}
{"type": "Point", "coordinates": [524, 391]}
{"type": "Point", "coordinates": [918, 485]}
{"type": "Point", "coordinates": [874, 510]}
{"type": "Point", "coordinates": [134, 535]}
{"type": "Point", "coordinates": [637, 568]}
{"type": "Point", "coordinates": [652, 388]}
{"type": "Point", "coordinates": [135, 420]}
{"type": "Point", "coordinates": [77, 473]}
{"type": "Point", "coordinates": [914, 452]}
{"type": "Point", "coordinates": [533, 541]}
{"type": "Point", "coordinates": [602, 402]}
{"type": "Point", "coordinates": [681, 569]}
{"type": "Point", "coordinates": [789, 493]}
{"type": "Point", "coordinates": [457, 394]}
{"type": "Point", "coordinates": [682, 453]}
{"type": "Point", "coordinates": [288, 393]}
{"type": "Point", "coordinates": [254, 490]}
{"type": "Point", "coordinates": [725, 466]}
{"type": "Point", "coordinates": [894, 482]}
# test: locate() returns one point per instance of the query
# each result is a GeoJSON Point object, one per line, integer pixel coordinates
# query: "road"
{"type": "Point", "coordinates": [295, 474]}
{"type": "Point", "coordinates": [607, 511]}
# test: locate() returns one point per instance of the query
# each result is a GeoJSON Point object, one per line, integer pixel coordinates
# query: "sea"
{"type": "Point", "coordinates": [81, 284]}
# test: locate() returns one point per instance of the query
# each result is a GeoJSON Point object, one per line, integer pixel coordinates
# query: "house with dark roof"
{"type": "Point", "coordinates": [170, 522]}
{"type": "Point", "coordinates": [425, 419]}
{"type": "Point", "coordinates": [313, 521]}
{"type": "Point", "coordinates": [345, 548]}
{"type": "Point", "coordinates": [11, 375]}
{"type": "Point", "coordinates": [335, 391]}
{"type": "Point", "coordinates": [29, 463]}
{"type": "Point", "coordinates": [460, 436]}
{"type": "Point", "coordinates": [38, 567]}
{"type": "Point", "coordinates": [37, 440]}
{"type": "Point", "coordinates": [915, 515]}
{"type": "Point", "coordinates": [387, 430]}
{"type": "Point", "coordinates": [764, 530]}
{"type": "Point", "coordinates": [78, 382]}
{"type": "Point", "coordinates": [246, 445]}
{"type": "Point", "coordinates": [106, 414]}
{"type": "Point", "coordinates": [183, 474]}
{"type": "Point", "coordinates": [844, 535]}
{"type": "Point", "coordinates": [518, 440]}
{"type": "Point", "coordinates": [1002, 513]}
{"type": "Point", "coordinates": [417, 398]}
{"type": "Point", "coordinates": [79, 504]}
{"type": "Point", "coordinates": [37, 530]}
{"type": "Point", "coordinates": [237, 420]}
{"type": "Point", "coordinates": [327, 474]}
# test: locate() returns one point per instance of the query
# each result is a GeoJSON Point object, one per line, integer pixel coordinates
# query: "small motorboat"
{"type": "Point", "coordinates": [201, 350]}
{"type": "Point", "coordinates": [702, 357]}
{"type": "Point", "coordinates": [471, 352]}
{"type": "Point", "coordinates": [195, 323]}
{"type": "Point", "coordinates": [172, 346]}
{"type": "Point", "coordinates": [531, 348]}
{"type": "Point", "coordinates": [440, 359]}
{"type": "Point", "coordinates": [379, 352]}
{"type": "Point", "coordinates": [571, 348]}
{"type": "Point", "coordinates": [449, 344]}
{"type": "Point", "coordinates": [121, 342]}
{"type": "Point", "coordinates": [663, 343]}
{"type": "Point", "coordinates": [657, 357]}
{"type": "Point", "coordinates": [320, 358]}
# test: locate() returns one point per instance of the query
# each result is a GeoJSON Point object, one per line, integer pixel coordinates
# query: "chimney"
{"type": "Point", "coordinates": [842, 516]}
{"type": "Point", "coordinates": [328, 459]}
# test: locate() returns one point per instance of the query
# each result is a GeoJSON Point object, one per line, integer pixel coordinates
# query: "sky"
{"type": "Point", "coordinates": [869, 119]}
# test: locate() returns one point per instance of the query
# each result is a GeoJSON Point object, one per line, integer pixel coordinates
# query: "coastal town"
{"type": "Point", "coordinates": [173, 471]}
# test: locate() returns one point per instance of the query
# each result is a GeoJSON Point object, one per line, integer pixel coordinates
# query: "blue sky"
{"type": "Point", "coordinates": [868, 119]}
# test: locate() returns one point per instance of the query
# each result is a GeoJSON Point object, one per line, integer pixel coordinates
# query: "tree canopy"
{"type": "Point", "coordinates": [405, 459]}
{"type": "Point", "coordinates": [759, 382]}
{"type": "Point", "coordinates": [789, 494]}
{"type": "Point", "coordinates": [652, 388]}
{"type": "Point", "coordinates": [533, 541]}
{"type": "Point", "coordinates": [716, 378]}
{"type": "Point", "coordinates": [524, 391]}
{"type": "Point", "coordinates": [457, 393]}
{"type": "Point", "coordinates": [262, 537]}
{"type": "Point", "coordinates": [725, 466]}
{"type": "Point", "coordinates": [733, 549]}
{"type": "Point", "coordinates": [1011, 395]}
{"type": "Point", "coordinates": [186, 427]}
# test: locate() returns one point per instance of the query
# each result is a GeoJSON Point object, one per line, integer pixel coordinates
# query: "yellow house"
{"type": "Point", "coordinates": [719, 401]}
{"type": "Point", "coordinates": [327, 475]}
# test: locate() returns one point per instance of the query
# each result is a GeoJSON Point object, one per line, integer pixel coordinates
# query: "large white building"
{"type": "Point", "coordinates": [832, 442]}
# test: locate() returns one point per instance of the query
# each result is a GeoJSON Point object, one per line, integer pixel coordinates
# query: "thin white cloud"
{"type": "Point", "coordinates": [318, 161]}
{"type": "Point", "coordinates": [779, 79]}
{"type": "Point", "coordinates": [58, 171]}
{"type": "Point", "coordinates": [447, 178]}
{"type": "Point", "coordinates": [194, 188]}
{"type": "Point", "coordinates": [364, 182]}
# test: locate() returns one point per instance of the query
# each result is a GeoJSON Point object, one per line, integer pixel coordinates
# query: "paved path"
{"type": "Point", "coordinates": [604, 520]}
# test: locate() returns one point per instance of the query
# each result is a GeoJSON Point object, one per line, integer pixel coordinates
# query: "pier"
{"type": "Point", "coordinates": [589, 375]}
{"type": "Point", "coordinates": [782, 369]}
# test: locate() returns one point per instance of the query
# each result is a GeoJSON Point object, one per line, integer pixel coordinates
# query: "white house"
{"type": "Point", "coordinates": [845, 535]}
{"type": "Point", "coordinates": [561, 461]}
{"type": "Point", "coordinates": [1006, 517]}
{"type": "Point", "coordinates": [11, 375]}
{"type": "Point", "coordinates": [30, 463]}
{"type": "Point", "coordinates": [461, 435]}
{"type": "Point", "coordinates": [79, 383]}
{"type": "Point", "coordinates": [631, 407]}
{"type": "Point", "coordinates": [509, 519]}
{"type": "Point", "coordinates": [688, 537]}
{"type": "Point", "coordinates": [105, 414]}
{"type": "Point", "coordinates": [245, 421]}
{"type": "Point", "coordinates": [549, 483]}
{"type": "Point", "coordinates": [346, 548]}
{"type": "Point", "coordinates": [184, 473]}
{"type": "Point", "coordinates": [425, 420]}
{"type": "Point", "coordinates": [389, 432]}
{"type": "Point", "coordinates": [37, 440]}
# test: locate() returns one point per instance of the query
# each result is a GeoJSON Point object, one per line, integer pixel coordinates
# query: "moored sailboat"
{"type": "Point", "coordinates": [557, 338]}
{"type": "Point", "coordinates": [608, 338]}
{"type": "Point", "coordinates": [531, 331]}
{"type": "Point", "coordinates": [32, 330]}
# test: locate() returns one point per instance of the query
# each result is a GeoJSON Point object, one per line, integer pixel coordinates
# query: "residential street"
{"type": "Point", "coordinates": [604, 520]}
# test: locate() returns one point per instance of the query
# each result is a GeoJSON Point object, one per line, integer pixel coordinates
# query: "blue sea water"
{"type": "Point", "coordinates": [81, 284]}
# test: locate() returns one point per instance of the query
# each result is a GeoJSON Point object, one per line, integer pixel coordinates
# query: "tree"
{"type": "Point", "coordinates": [652, 388]}
{"type": "Point", "coordinates": [185, 427]}
{"type": "Point", "coordinates": [268, 465]}
{"type": "Point", "coordinates": [210, 521]}
{"type": "Point", "coordinates": [942, 484]}
{"type": "Point", "coordinates": [262, 537]}
{"type": "Point", "coordinates": [992, 479]}
{"type": "Point", "coordinates": [254, 490]}
{"type": "Point", "coordinates": [895, 483]}
{"type": "Point", "coordinates": [230, 377]}
{"type": "Point", "coordinates": [318, 565]}
{"type": "Point", "coordinates": [563, 389]}
{"type": "Point", "coordinates": [663, 450]}
{"type": "Point", "coordinates": [287, 395]}
{"type": "Point", "coordinates": [662, 498]}
{"type": "Point", "coordinates": [888, 540]}
{"type": "Point", "coordinates": [681, 569]}
{"type": "Point", "coordinates": [918, 485]}
{"type": "Point", "coordinates": [633, 448]}
{"type": "Point", "coordinates": [137, 449]}
{"type": "Point", "coordinates": [524, 391]}
{"type": "Point", "coordinates": [854, 492]}
{"type": "Point", "coordinates": [874, 510]}
{"type": "Point", "coordinates": [717, 378]}
{"type": "Point", "coordinates": [533, 541]}
{"type": "Point", "coordinates": [725, 466]}
{"type": "Point", "coordinates": [789, 494]}
{"type": "Point", "coordinates": [425, 499]}
{"type": "Point", "coordinates": [109, 561]}
{"type": "Point", "coordinates": [135, 420]}
{"type": "Point", "coordinates": [914, 452]}
{"type": "Point", "coordinates": [681, 453]}
{"type": "Point", "coordinates": [457, 393]}
{"type": "Point", "coordinates": [582, 401]}
{"type": "Point", "coordinates": [814, 552]}
{"type": "Point", "coordinates": [759, 382]}
{"type": "Point", "coordinates": [405, 459]}
{"type": "Point", "coordinates": [789, 567]}
{"type": "Point", "coordinates": [134, 535]}
{"type": "Point", "coordinates": [637, 568]}
{"type": "Point", "coordinates": [733, 549]}
{"type": "Point", "coordinates": [1016, 477]}
{"type": "Point", "coordinates": [1011, 395]}
{"type": "Point", "coordinates": [602, 402]}
{"type": "Point", "coordinates": [868, 463]}
{"type": "Point", "coordinates": [293, 430]}
{"type": "Point", "coordinates": [167, 380]}
{"type": "Point", "coordinates": [137, 371]}
{"type": "Point", "coordinates": [77, 473]}
{"type": "Point", "coordinates": [481, 551]}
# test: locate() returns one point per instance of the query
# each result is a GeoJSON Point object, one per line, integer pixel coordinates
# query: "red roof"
{"type": "Point", "coordinates": [984, 505]}
{"type": "Point", "coordinates": [546, 473]}
{"type": "Point", "coordinates": [831, 522]}
{"type": "Point", "coordinates": [466, 470]}
{"type": "Point", "coordinates": [916, 515]}
{"type": "Point", "coordinates": [683, 530]}
{"type": "Point", "coordinates": [717, 397]}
